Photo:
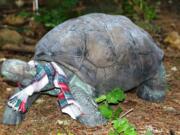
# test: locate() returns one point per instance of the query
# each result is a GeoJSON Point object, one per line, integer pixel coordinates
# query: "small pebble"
{"type": "Point", "coordinates": [153, 129]}
{"type": "Point", "coordinates": [9, 89]}
{"type": "Point", "coordinates": [39, 101]}
{"type": "Point", "coordinates": [63, 122]}
{"type": "Point", "coordinates": [174, 69]}
{"type": "Point", "coordinates": [169, 109]}
{"type": "Point", "coordinates": [2, 59]}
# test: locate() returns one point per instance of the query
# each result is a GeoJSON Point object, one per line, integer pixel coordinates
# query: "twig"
{"type": "Point", "coordinates": [130, 110]}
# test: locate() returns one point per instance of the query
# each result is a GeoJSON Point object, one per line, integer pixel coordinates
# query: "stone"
{"type": "Point", "coordinates": [14, 20]}
{"type": "Point", "coordinates": [173, 40]}
{"type": "Point", "coordinates": [10, 36]}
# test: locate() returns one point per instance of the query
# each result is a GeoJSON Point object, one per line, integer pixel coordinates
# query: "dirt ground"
{"type": "Point", "coordinates": [44, 117]}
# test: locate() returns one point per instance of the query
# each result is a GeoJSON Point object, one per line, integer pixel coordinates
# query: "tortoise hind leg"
{"type": "Point", "coordinates": [154, 88]}
{"type": "Point", "coordinates": [11, 117]}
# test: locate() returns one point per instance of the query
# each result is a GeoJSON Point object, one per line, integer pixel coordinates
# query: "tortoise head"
{"type": "Point", "coordinates": [14, 70]}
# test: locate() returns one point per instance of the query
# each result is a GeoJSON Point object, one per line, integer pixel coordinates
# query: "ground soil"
{"type": "Point", "coordinates": [44, 118]}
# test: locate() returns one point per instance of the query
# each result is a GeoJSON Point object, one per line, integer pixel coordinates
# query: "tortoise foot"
{"type": "Point", "coordinates": [11, 117]}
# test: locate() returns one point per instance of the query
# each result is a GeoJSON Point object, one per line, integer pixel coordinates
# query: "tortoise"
{"type": "Point", "coordinates": [103, 51]}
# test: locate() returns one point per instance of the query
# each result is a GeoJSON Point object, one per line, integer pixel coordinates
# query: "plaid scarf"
{"type": "Point", "coordinates": [49, 78]}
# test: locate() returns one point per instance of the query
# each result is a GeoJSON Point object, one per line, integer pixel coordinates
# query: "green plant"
{"type": "Point", "coordinates": [120, 126]}
{"type": "Point", "coordinates": [113, 97]}
{"type": "Point", "coordinates": [25, 14]}
{"type": "Point", "coordinates": [52, 17]}
{"type": "Point", "coordinates": [137, 9]}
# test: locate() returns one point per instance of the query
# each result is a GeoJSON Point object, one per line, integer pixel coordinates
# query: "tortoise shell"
{"type": "Point", "coordinates": [106, 51]}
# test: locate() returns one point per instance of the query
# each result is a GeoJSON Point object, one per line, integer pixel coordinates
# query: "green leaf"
{"type": "Point", "coordinates": [130, 131]}
{"type": "Point", "coordinates": [117, 125]}
{"type": "Point", "coordinates": [120, 125]}
{"type": "Point", "coordinates": [100, 99]}
{"type": "Point", "coordinates": [116, 113]}
{"type": "Point", "coordinates": [106, 111]}
{"type": "Point", "coordinates": [123, 126]}
{"type": "Point", "coordinates": [115, 96]}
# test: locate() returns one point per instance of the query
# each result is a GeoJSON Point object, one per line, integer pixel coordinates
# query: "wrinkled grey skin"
{"type": "Point", "coordinates": [105, 51]}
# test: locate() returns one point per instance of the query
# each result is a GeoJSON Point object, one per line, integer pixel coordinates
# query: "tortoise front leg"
{"type": "Point", "coordinates": [84, 94]}
{"type": "Point", "coordinates": [91, 116]}
{"type": "Point", "coordinates": [12, 117]}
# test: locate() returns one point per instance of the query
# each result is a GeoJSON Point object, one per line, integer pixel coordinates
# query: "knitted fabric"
{"type": "Point", "coordinates": [57, 84]}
